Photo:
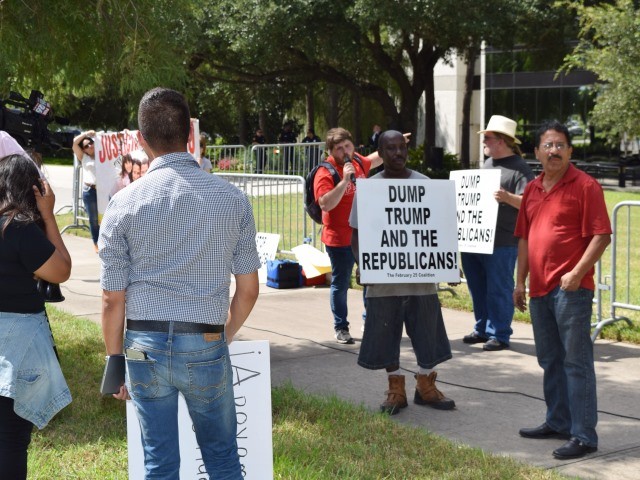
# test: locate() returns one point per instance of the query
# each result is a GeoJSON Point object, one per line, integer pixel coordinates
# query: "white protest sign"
{"type": "Point", "coordinates": [252, 391]}
{"type": "Point", "coordinates": [267, 246]}
{"type": "Point", "coordinates": [477, 209]}
{"type": "Point", "coordinates": [110, 146]}
{"type": "Point", "coordinates": [407, 231]}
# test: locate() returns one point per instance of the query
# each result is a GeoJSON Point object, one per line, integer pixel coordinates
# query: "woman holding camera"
{"type": "Point", "coordinates": [84, 150]}
{"type": "Point", "coordinates": [32, 387]}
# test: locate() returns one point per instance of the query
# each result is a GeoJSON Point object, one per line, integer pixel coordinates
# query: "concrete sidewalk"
{"type": "Point", "coordinates": [496, 393]}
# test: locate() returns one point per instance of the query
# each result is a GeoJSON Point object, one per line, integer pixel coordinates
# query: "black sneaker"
{"type": "Point", "coordinates": [493, 345]}
{"type": "Point", "coordinates": [343, 336]}
{"type": "Point", "coordinates": [474, 337]}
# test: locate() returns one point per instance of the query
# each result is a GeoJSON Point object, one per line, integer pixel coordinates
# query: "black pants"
{"type": "Point", "coordinates": [15, 436]}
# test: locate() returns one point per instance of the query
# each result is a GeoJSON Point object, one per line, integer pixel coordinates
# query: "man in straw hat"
{"type": "Point", "coordinates": [490, 276]}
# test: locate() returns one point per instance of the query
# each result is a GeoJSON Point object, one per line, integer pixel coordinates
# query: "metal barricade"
{"type": "Point", "coordinates": [79, 213]}
{"type": "Point", "coordinates": [278, 207]}
{"type": "Point", "coordinates": [623, 295]}
{"type": "Point", "coordinates": [286, 158]}
{"type": "Point", "coordinates": [228, 158]}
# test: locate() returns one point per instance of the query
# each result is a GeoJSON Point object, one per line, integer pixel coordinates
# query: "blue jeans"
{"type": "Point", "coordinates": [342, 263]}
{"type": "Point", "coordinates": [490, 282]}
{"type": "Point", "coordinates": [201, 371]}
{"type": "Point", "coordinates": [561, 329]}
{"type": "Point", "coordinates": [90, 199]}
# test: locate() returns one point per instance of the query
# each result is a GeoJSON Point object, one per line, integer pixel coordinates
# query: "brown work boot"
{"type": "Point", "coordinates": [396, 395]}
{"type": "Point", "coordinates": [428, 394]}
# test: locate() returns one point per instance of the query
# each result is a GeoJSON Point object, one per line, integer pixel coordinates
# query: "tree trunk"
{"type": "Point", "coordinates": [429, 117]}
{"type": "Point", "coordinates": [262, 120]}
{"type": "Point", "coordinates": [332, 105]}
{"type": "Point", "coordinates": [465, 144]}
{"type": "Point", "coordinates": [310, 108]}
{"type": "Point", "coordinates": [357, 121]}
{"type": "Point", "coordinates": [242, 124]}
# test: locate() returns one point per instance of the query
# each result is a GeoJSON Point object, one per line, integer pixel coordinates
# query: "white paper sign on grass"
{"type": "Point", "coordinates": [477, 209]}
{"type": "Point", "coordinates": [252, 390]}
{"type": "Point", "coordinates": [267, 245]}
{"type": "Point", "coordinates": [407, 231]}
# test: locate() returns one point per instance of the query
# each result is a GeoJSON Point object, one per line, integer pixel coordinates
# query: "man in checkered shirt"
{"type": "Point", "coordinates": [169, 244]}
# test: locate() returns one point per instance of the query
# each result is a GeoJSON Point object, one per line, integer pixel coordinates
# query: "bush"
{"type": "Point", "coordinates": [415, 161]}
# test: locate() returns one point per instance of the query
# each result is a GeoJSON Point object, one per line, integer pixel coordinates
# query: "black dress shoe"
{"type": "Point", "coordinates": [543, 431]}
{"type": "Point", "coordinates": [574, 448]}
{"type": "Point", "coordinates": [474, 338]}
{"type": "Point", "coordinates": [493, 345]}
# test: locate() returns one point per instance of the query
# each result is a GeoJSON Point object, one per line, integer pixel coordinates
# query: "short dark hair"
{"type": "Point", "coordinates": [551, 125]}
{"type": "Point", "coordinates": [164, 119]}
{"type": "Point", "coordinates": [383, 137]}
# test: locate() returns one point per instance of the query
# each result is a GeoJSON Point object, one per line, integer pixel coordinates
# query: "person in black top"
{"type": "Point", "coordinates": [261, 153]}
{"type": "Point", "coordinates": [311, 152]}
{"type": "Point", "coordinates": [287, 136]}
{"type": "Point", "coordinates": [490, 276]}
{"type": "Point", "coordinates": [30, 247]}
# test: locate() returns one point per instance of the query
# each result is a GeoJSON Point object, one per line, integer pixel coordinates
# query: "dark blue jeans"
{"type": "Point", "coordinates": [490, 282]}
{"type": "Point", "coordinates": [342, 263]}
{"type": "Point", "coordinates": [90, 199]}
{"type": "Point", "coordinates": [561, 329]}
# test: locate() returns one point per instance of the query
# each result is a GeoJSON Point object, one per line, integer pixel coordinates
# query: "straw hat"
{"type": "Point", "coordinates": [504, 125]}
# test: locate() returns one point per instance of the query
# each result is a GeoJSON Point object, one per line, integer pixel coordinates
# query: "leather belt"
{"type": "Point", "coordinates": [90, 185]}
{"type": "Point", "coordinates": [178, 327]}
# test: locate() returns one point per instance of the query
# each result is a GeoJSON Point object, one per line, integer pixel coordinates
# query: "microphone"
{"type": "Point", "coordinates": [347, 159]}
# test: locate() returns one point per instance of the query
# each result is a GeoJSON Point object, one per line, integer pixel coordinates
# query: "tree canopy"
{"type": "Point", "coordinates": [609, 46]}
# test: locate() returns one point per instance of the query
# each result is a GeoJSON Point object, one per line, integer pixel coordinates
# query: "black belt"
{"type": "Point", "coordinates": [178, 327]}
{"type": "Point", "coordinates": [90, 185]}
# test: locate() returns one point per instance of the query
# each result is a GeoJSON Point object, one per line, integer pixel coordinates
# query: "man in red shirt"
{"type": "Point", "coordinates": [563, 228]}
{"type": "Point", "coordinates": [335, 200]}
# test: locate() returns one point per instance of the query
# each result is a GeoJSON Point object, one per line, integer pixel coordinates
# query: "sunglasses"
{"type": "Point", "coordinates": [87, 144]}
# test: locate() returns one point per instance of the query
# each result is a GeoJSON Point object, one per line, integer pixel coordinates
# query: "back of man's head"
{"type": "Point", "coordinates": [164, 120]}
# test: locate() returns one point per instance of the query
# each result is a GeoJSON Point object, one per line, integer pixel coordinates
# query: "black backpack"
{"type": "Point", "coordinates": [310, 203]}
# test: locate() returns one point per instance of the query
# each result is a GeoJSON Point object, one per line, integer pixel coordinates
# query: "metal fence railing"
{"type": "Point", "coordinates": [228, 157]}
{"type": "Point", "coordinates": [80, 219]}
{"type": "Point", "coordinates": [624, 294]}
{"type": "Point", "coordinates": [278, 207]}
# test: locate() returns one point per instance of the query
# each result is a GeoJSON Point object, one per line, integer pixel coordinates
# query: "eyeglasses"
{"type": "Point", "coordinates": [560, 146]}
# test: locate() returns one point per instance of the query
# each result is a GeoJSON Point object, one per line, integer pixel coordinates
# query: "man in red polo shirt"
{"type": "Point", "coordinates": [335, 200]}
{"type": "Point", "coordinates": [563, 228]}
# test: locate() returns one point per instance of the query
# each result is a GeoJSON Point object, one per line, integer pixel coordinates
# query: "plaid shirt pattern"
{"type": "Point", "coordinates": [173, 238]}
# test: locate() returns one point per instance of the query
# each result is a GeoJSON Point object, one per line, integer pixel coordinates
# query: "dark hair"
{"type": "Point", "coordinates": [125, 158]}
{"type": "Point", "coordinates": [164, 119]}
{"type": "Point", "coordinates": [383, 137]}
{"type": "Point", "coordinates": [18, 175]}
{"type": "Point", "coordinates": [551, 125]}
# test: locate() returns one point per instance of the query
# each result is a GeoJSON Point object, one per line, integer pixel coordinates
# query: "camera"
{"type": "Point", "coordinates": [27, 120]}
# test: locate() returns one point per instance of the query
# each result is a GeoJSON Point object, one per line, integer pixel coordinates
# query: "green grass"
{"type": "Point", "coordinates": [283, 214]}
{"type": "Point", "coordinates": [619, 331]}
{"type": "Point", "coordinates": [87, 440]}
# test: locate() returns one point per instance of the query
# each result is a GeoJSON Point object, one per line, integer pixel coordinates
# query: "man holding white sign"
{"type": "Point", "coordinates": [490, 276]}
{"type": "Point", "coordinates": [395, 304]}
